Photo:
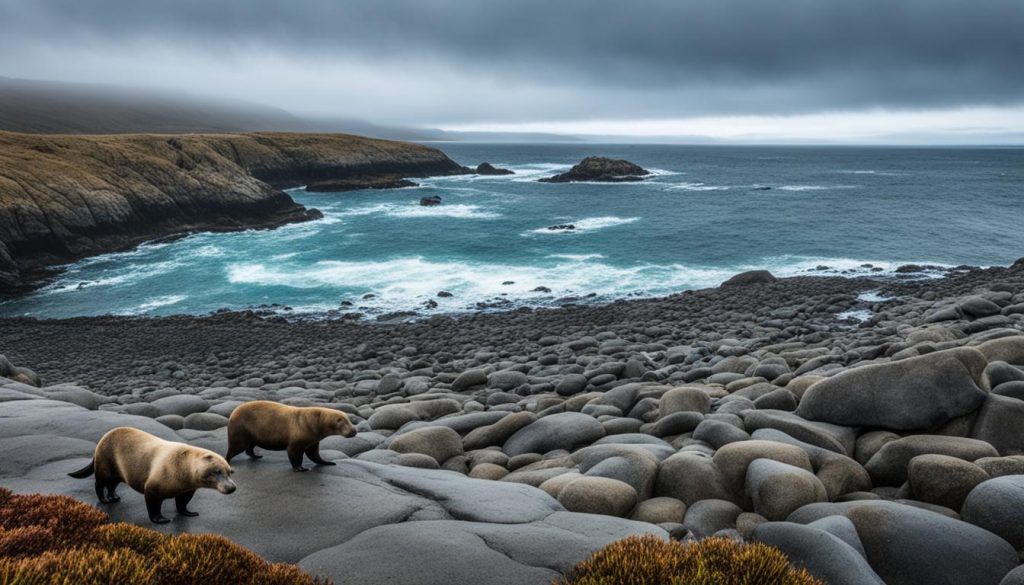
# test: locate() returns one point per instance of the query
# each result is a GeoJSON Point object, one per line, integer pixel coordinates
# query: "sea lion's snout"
{"type": "Point", "coordinates": [351, 433]}
{"type": "Point", "coordinates": [226, 486]}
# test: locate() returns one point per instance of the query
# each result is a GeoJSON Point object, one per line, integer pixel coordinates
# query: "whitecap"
{"type": "Point", "coordinates": [588, 225]}
{"type": "Point", "coordinates": [697, 187]}
{"type": "Point", "coordinates": [154, 303]}
{"type": "Point", "coordinates": [810, 187]}
{"type": "Point", "coordinates": [576, 257]}
{"type": "Point", "coordinates": [413, 210]}
{"type": "Point", "coordinates": [407, 283]}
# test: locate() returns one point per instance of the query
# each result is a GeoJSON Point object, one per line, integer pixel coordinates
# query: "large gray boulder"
{"type": "Point", "coordinates": [778, 489]}
{"type": "Point", "coordinates": [997, 505]}
{"type": "Point", "coordinates": [566, 430]}
{"type": "Point", "coordinates": [889, 465]}
{"type": "Point", "coordinates": [824, 555]}
{"type": "Point", "coordinates": [750, 277]}
{"type": "Point", "coordinates": [910, 394]}
{"type": "Point", "coordinates": [943, 480]}
{"type": "Point", "coordinates": [598, 495]}
{"type": "Point", "coordinates": [907, 545]}
{"type": "Point", "coordinates": [499, 432]}
{"type": "Point", "coordinates": [441, 443]}
{"type": "Point", "coordinates": [691, 477]}
{"type": "Point", "coordinates": [181, 404]}
{"type": "Point", "coordinates": [999, 423]}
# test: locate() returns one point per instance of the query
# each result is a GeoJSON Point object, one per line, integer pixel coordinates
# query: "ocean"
{"type": "Point", "coordinates": [702, 216]}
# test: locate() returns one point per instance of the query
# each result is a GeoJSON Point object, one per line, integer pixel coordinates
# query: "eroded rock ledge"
{"type": "Point", "coordinates": [67, 197]}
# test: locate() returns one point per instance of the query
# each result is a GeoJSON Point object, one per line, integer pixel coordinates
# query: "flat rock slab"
{"type": "Point", "coordinates": [445, 552]}
{"type": "Point", "coordinates": [355, 522]}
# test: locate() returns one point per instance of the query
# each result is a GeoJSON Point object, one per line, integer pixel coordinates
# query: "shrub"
{"type": "Point", "coordinates": [122, 535]}
{"type": "Point", "coordinates": [79, 566]}
{"type": "Point", "coordinates": [650, 560]}
{"type": "Point", "coordinates": [57, 540]}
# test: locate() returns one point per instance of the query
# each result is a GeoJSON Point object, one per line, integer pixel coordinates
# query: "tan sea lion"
{"type": "Point", "coordinates": [156, 468]}
{"type": "Point", "coordinates": [277, 427]}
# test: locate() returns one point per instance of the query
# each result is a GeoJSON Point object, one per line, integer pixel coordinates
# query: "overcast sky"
{"type": "Point", "coordinates": [784, 69]}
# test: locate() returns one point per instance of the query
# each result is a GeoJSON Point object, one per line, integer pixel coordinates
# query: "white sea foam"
{"type": "Point", "coordinates": [576, 257]}
{"type": "Point", "coordinates": [209, 251]}
{"type": "Point", "coordinates": [406, 283]}
{"type": "Point", "coordinates": [154, 303]}
{"type": "Point", "coordinates": [813, 187]}
{"type": "Point", "coordinates": [123, 275]}
{"type": "Point", "coordinates": [697, 187]}
{"type": "Point", "coordinates": [412, 210]}
{"type": "Point", "coordinates": [872, 297]}
{"type": "Point", "coordinates": [870, 172]}
{"type": "Point", "coordinates": [857, 315]}
{"type": "Point", "coordinates": [588, 224]}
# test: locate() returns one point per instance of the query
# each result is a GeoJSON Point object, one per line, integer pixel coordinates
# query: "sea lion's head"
{"type": "Point", "coordinates": [214, 472]}
{"type": "Point", "coordinates": [335, 422]}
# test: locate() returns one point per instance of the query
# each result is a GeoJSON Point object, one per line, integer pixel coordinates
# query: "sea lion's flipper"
{"type": "Point", "coordinates": [153, 507]}
{"type": "Point", "coordinates": [313, 452]}
{"type": "Point", "coordinates": [181, 504]}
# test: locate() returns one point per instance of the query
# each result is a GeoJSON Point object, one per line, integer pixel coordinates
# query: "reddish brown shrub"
{"type": "Point", "coordinates": [649, 560]}
{"type": "Point", "coordinates": [57, 540]}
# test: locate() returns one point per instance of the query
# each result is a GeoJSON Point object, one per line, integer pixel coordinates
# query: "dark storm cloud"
{"type": "Point", "coordinates": [680, 57]}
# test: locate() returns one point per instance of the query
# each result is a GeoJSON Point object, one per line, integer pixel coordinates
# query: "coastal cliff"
{"type": "Point", "coordinates": [66, 197]}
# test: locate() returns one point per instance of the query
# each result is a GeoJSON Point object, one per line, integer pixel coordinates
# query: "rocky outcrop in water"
{"type": "Point", "coordinates": [67, 197]}
{"type": "Point", "coordinates": [602, 169]}
{"type": "Point", "coordinates": [486, 168]}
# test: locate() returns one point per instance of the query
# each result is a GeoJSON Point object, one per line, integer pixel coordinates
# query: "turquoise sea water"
{"type": "Point", "coordinates": [699, 219]}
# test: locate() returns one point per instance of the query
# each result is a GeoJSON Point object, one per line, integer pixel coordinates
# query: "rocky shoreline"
{"type": "Point", "coordinates": [65, 197]}
{"type": "Point", "coordinates": [886, 450]}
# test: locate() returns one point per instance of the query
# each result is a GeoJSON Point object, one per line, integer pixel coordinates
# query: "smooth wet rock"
{"type": "Point", "coordinates": [181, 405]}
{"type": "Point", "coordinates": [707, 517]}
{"type": "Point", "coordinates": [943, 480]}
{"type": "Point", "coordinates": [999, 423]}
{"type": "Point", "coordinates": [684, 400]}
{"type": "Point", "coordinates": [499, 432]}
{"type": "Point", "coordinates": [907, 545]}
{"type": "Point", "coordinates": [889, 465]}
{"type": "Point", "coordinates": [778, 489]}
{"type": "Point", "coordinates": [205, 421]}
{"type": "Point", "coordinates": [997, 505]}
{"type": "Point", "coordinates": [823, 554]}
{"type": "Point", "coordinates": [566, 430]}
{"type": "Point", "coordinates": [660, 510]}
{"type": "Point", "coordinates": [691, 477]}
{"type": "Point", "coordinates": [441, 443]}
{"type": "Point", "coordinates": [598, 495]}
{"type": "Point", "coordinates": [749, 278]}
{"type": "Point", "coordinates": [910, 394]}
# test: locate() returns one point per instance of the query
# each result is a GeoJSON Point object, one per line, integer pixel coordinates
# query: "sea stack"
{"type": "Point", "coordinates": [602, 169]}
{"type": "Point", "coordinates": [486, 168]}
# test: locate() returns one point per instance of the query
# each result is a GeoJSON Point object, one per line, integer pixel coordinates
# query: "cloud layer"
{"type": "Point", "coordinates": [471, 61]}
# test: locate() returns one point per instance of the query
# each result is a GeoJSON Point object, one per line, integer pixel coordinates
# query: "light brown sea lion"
{"type": "Point", "coordinates": [277, 427]}
{"type": "Point", "coordinates": [156, 468]}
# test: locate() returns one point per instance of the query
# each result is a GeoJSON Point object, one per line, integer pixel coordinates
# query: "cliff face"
{"type": "Point", "coordinates": [66, 197]}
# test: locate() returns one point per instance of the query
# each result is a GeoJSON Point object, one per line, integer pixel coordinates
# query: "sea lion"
{"type": "Point", "coordinates": [156, 468]}
{"type": "Point", "coordinates": [277, 427]}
